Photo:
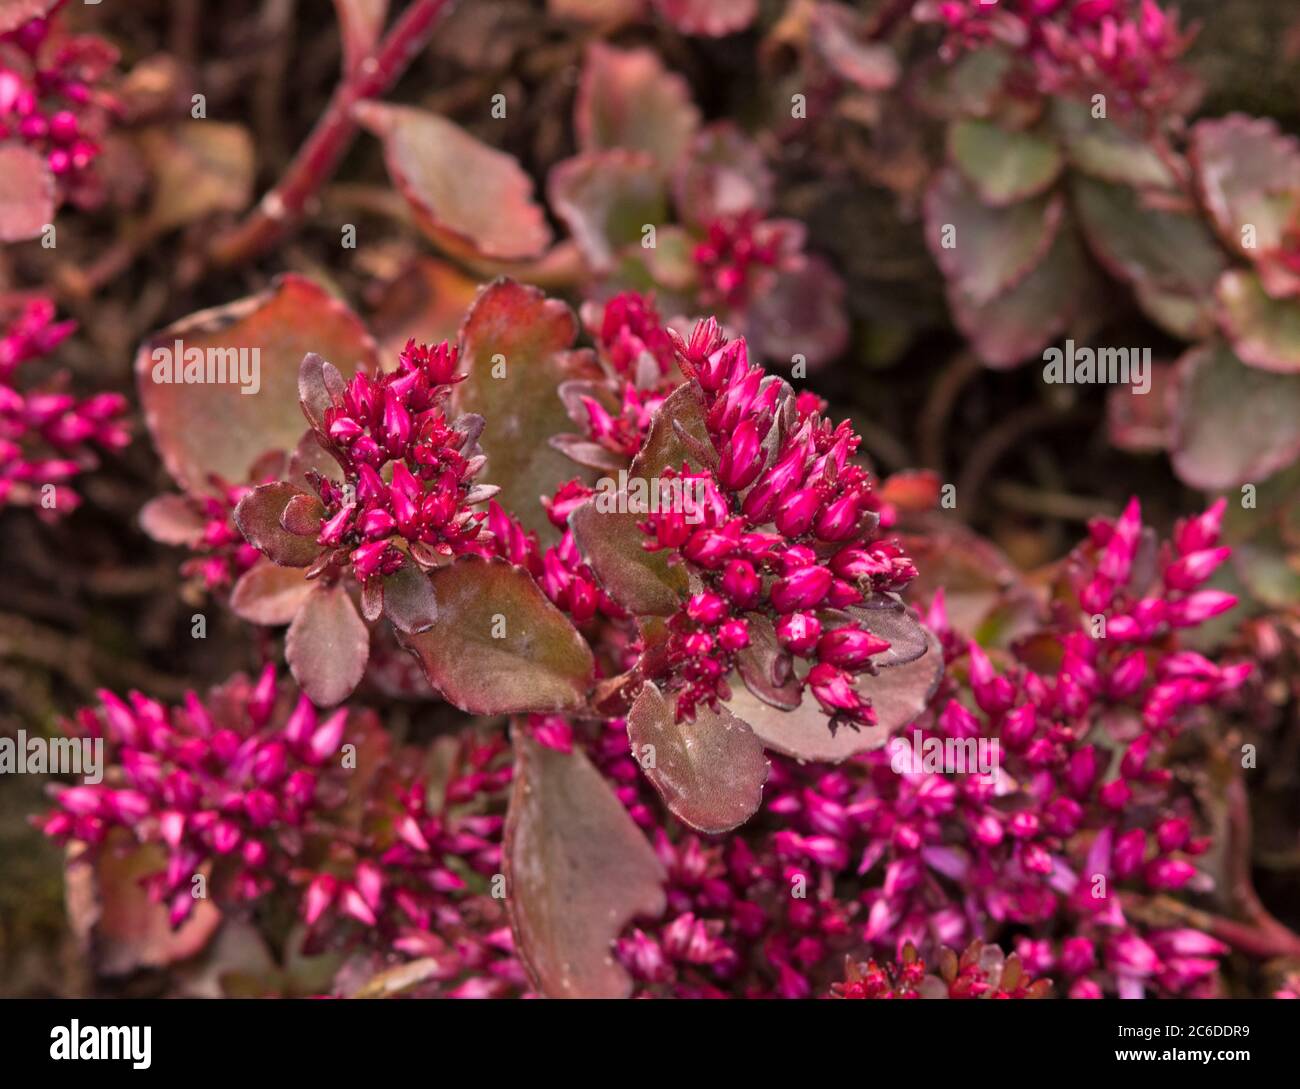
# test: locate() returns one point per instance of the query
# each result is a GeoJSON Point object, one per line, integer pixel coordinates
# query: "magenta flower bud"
{"type": "Point", "coordinates": [331, 532]}
{"type": "Point", "coordinates": [1200, 532]}
{"type": "Point", "coordinates": [833, 688]}
{"type": "Point", "coordinates": [1077, 956]}
{"type": "Point", "coordinates": [301, 723]}
{"type": "Point", "coordinates": [698, 644]}
{"type": "Point", "coordinates": [328, 736]}
{"type": "Point", "coordinates": [838, 520]}
{"type": "Point", "coordinates": [805, 589]}
{"type": "Point", "coordinates": [1130, 849]}
{"type": "Point", "coordinates": [255, 853]}
{"type": "Point", "coordinates": [320, 894]}
{"type": "Point", "coordinates": [1199, 607]}
{"type": "Point", "coordinates": [226, 836]}
{"type": "Point", "coordinates": [300, 788]}
{"type": "Point", "coordinates": [1115, 795]}
{"type": "Point", "coordinates": [82, 800]}
{"type": "Point", "coordinates": [994, 694]}
{"type": "Point", "coordinates": [368, 559]}
{"type": "Point", "coordinates": [1194, 568]}
{"type": "Point", "coordinates": [1169, 873]}
{"type": "Point", "coordinates": [1131, 955]}
{"type": "Point", "coordinates": [1127, 677]}
{"type": "Point", "coordinates": [988, 830]}
{"type": "Point", "coordinates": [796, 513]}
{"type": "Point", "coordinates": [1064, 816]}
{"type": "Point", "coordinates": [1081, 771]}
{"type": "Point", "coordinates": [799, 632]}
{"type": "Point", "coordinates": [1018, 727]}
{"type": "Point", "coordinates": [1173, 834]}
{"type": "Point", "coordinates": [261, 807]}
{"type": "Point", "coordinates": [1186, 942]}
{"type": "Point", "coordinates": [709, 548]}
{"type": "Point", "coordinates": [370, 487]}
{"type": "Point", "coordinates": [741, 583]}
{"type": "Point", "coordinates": [742, 459]}
{"type": "Point", "coordinates": [850, 647]}
{"type": "Point", "coordinates": [171, 824]}
{"type": "Point", "coordinates": [734, 635]}
{"type": "Point", "coordinates": [376, 523]}
{"type": "Point", "coordinates": [346, 430]}
{"type": "Point", "coordinates": [706, 608]}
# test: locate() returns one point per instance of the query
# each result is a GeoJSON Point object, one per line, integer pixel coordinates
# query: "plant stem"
{"type": "Point", "coordinates": [280, 210]}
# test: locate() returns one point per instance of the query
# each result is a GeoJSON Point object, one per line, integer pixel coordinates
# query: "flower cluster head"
{"type": "Point", "coordinates": [784, 534]}
{"type": "Point", "coordinates": [982, 971]}
{"type": "Point", "coordinates": [53, 100]}
{"type": "Point", "coordinates": [408, 470]}
{"type": "Point", "coordinates": [46, 434]}
{"type": "Point", "coordinates": [1125, 48]}
{"type": "Point", "coordinates": [231, 783]}
{"type": "Point", "coordinates": [737, 255]}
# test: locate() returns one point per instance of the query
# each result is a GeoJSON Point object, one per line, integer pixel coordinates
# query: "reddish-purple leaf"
{"type": "Point", "coordinates": [709, 772]}
{"type": "Point", "coordinates": [801, 315]}
{"type": "Point", "coordinates": [766, 668]}
{"type": "Point", "coordinates": [577, 871]}
{"type": "Point", "coordinates": [200, 428]}
{"type": "Point", "coordinates": [303, 515]}
{"type": "Point", "coordinates": [708, 18]}
{"type": "Point", "coordinates": [514, 348]}
{"type": "Point", "coordinates": [1141, 422]}
{"type": "Point", "coordinates": [606, 198]}
{"type": "Point", "coordinates": [27, 196]}
{"type": "Point", "coordinates": [269, 594]}
{"type": "Point", "coordinates": [496, 644]}
{"type": "Point", "coordinates": [627, 99]}
{"type": "Point", "coordinates": [722, 174]}
{"type": "Point", "coordinates": [173, 520]}
{"type": "Point", "coordinates": [110, 912]}
{"type": "Point", "coordinates": [426, 301]}
{"type": "Point", "coordinates": [260, 518]}
{"type": "Point", "coordinates": [898, 696]}
{"type": "Point", "coordinates": [838, 33]}
{"type": "Point", "coordinates": [1248, 175]}
{"type": "Point", "coordinates": [198, 169]}
{"type": "Point", "coordinates": [1105, 149]}
{"type": "Point", "coordinates": [409, 600]}
{"type": "Point", "coordinates": [327, 646]}
{"type": "Point", "coordinates": [1233, 424]}
{"type": "Point", "coordinates": [471, 199]}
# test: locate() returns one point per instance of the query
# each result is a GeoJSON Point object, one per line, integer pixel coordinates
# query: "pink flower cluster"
{"type": "Point", "coordinates": [737, 255]}
{"type": "Point", "coordinates": [46, 433]}
{"type": "Point", "coordinates": [399, 419]}
{"type": "Point", "coordinates": [52, 99]}
{"type": "Point", "coordinates": [820, 552]}
{"type": "Point", "coordinates": [237, 779]}
{"type": "Point", "coordinates": [980, 972]}
{"type": "Point", "coordinates": [1081, 812]}
{"type": "Point", "coordinates": [221, 554]}
{"type": "Point", "coordinates": [1124, 48]}
{"type": "Point", "coordinates": [253, 789]}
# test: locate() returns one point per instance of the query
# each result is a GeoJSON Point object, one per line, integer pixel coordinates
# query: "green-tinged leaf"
{"type": "Point", "coordinates": [971, 86]}
{"type": "Point", "coordinates": [1141, 422]}
{"type": "Point", "coordinates": [1004, 166]}
{"type": "Point", "coordinates": [513, 346]}
{"type": "Point", "coordinates": [1157, 251]}
{"type": "Point", "coordinates": [606, 199]}
{"type": "Point", "coordinates": [198, 169]}
{"type": "Point", "coordinates": [110, 912]}
{"type": "Point", "coordinates": [327, 646]}
{"type": "Point", "coordinates": [1248, 175]}
{"type": "Point", "coordinates": [269, 594]}
{"type": "Point", "coordinates": [577, 869]}
{"type": "Point", "coordinates": [27, 195]}
{"type": "Point", "coordinates": [260, 518]}
{"type": "Point", "coordinates": [496, 645]}
{"type": "Point", "coordinates": [1104, 149]}
{"type": "Point", "coordinates": [1265, 332]}
{"type": "Point", "coordinates": [627, 99]}
{"type": "Point", "coordinates": [1023, 321]}
{"type": "Point", "coordinates": [709, 772]}
{"type": "Point", "coordinates": [984, 252]}
{"type": "Point", "coordinates": [469, 198]}
{"type": "Point", "coordinates": [200, 428]}
{"type": "Point", "coordinates": [1269, 569]}
{"type": "Point", "coordinates": [1234, 424]}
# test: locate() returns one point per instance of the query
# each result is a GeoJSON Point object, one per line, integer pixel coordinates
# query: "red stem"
{"type": "Point", "coordinates": [279, 211]}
